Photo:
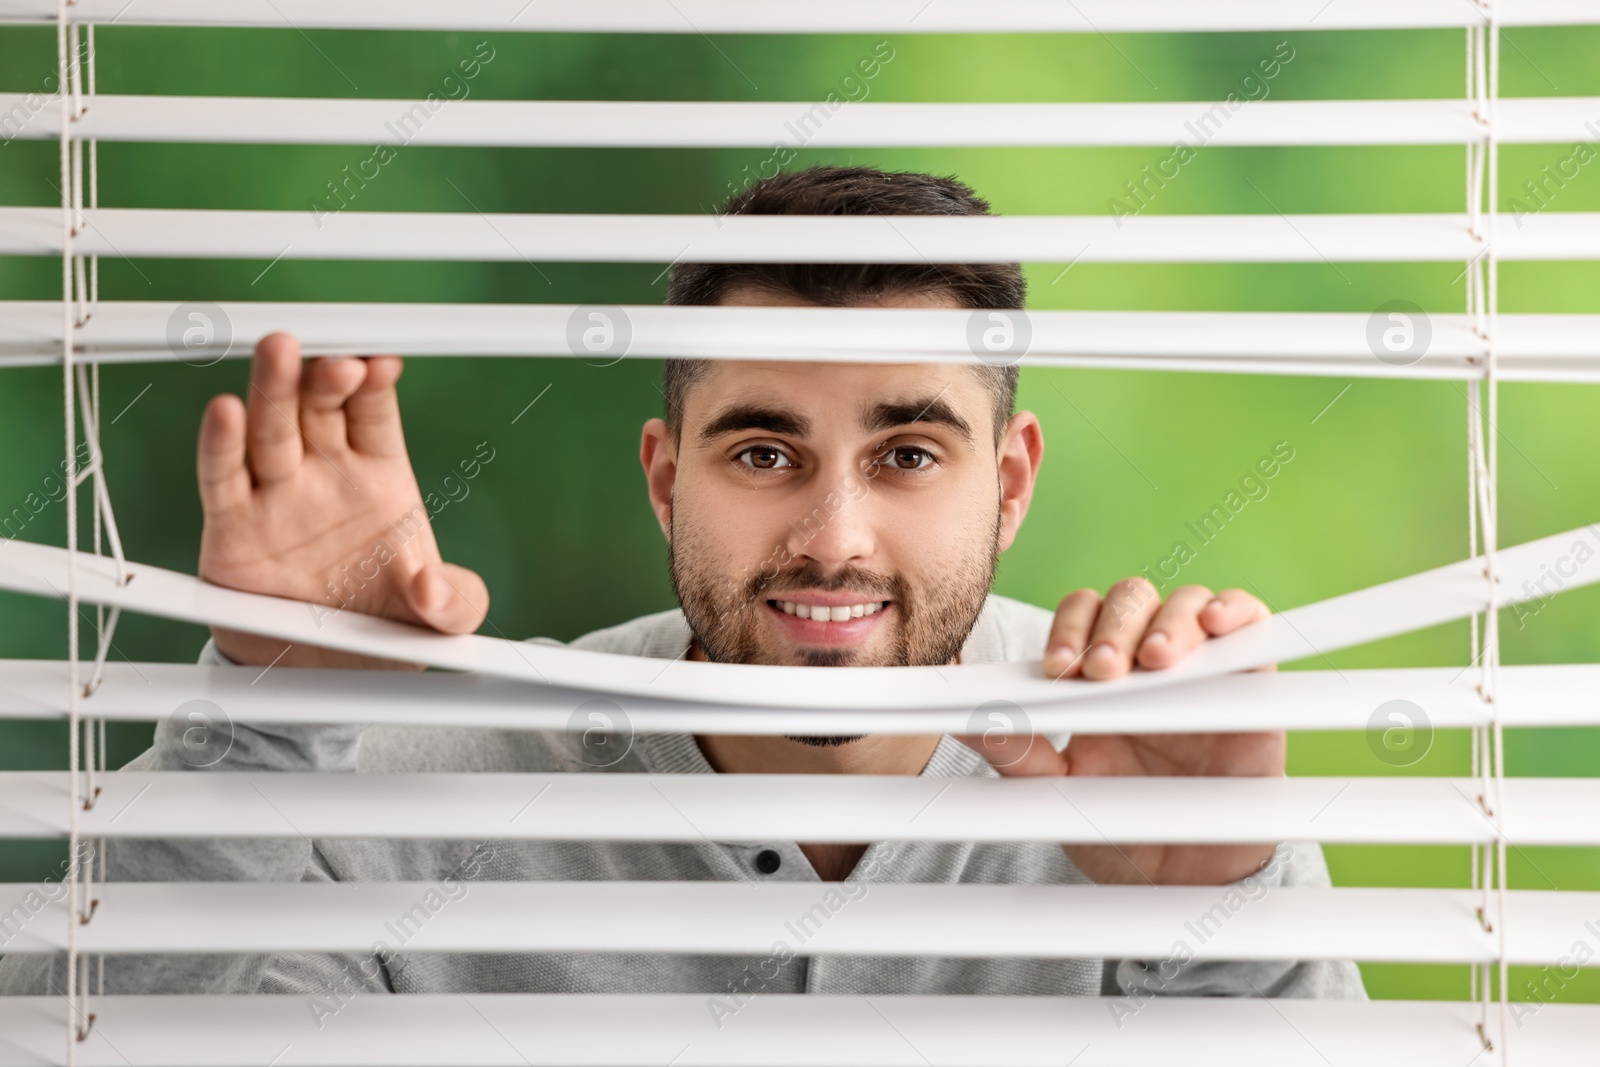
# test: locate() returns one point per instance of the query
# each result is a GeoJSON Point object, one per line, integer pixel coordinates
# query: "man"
{"type": "Point", "coordinates": [825, 514]}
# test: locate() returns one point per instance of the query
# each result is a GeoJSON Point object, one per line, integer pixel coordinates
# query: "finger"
{"type": "Point", "coordinates": [451, 599]}
{"type": "Point", "coordinates": [1231, 609]}
{"type": "Point", "coordinates": [1120, 626]}
{"type": "Point", "coordinates": [372, 414]}
{"type": "Point", "coordinates": [328, 381]}
{"type": "Point", "coordinates": [220, 455]}
{"type": "Point", "coordinates": [1069, 633]}
{"type": "Point", "coordinates": [1176, 629]}
{"type": "Point", "coordinates": [272, 426]}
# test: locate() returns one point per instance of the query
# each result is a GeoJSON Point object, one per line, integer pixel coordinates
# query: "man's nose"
{"type": "Point", "coordinates": [837, 525]}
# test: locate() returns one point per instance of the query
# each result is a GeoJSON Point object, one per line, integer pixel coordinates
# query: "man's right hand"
{"type": "Point", "coordinates": [308, 494]}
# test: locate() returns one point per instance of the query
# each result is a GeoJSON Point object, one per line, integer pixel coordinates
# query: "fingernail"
{"type": "Point", "coordinates": [1157, 638]}
{"type": "Point", "coordinates": [1059, 657]}
{"type": "Point", "coordinates": [1104, 655]}
{"type": "Point", "coordinates": [438, 590]}
{"type": "Point", "coordinates": [1214, 604]}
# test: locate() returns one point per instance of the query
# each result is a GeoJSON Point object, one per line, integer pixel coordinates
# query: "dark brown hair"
{"type": "Point", "coordinates": [826, 190]}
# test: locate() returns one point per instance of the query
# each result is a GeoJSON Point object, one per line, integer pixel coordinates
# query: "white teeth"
{"type": "Point", "coordinates": [824, 613]}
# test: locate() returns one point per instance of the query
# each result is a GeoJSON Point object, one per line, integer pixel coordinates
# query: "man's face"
{"type": "Point", "coordinates": [835, 514]}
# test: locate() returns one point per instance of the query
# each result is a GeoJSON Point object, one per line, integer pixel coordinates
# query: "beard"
{"type": "Point", "coordinates": [726, 613]}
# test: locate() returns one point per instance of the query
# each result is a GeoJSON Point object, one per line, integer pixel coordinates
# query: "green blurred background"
{"type": "Point", "coordinates": [559, 523]}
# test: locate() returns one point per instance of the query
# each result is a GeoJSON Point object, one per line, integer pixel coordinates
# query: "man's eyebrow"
{"type": "Point", "coordinates": [876, 418]}
{"type": "Point", "coordinates": [754, 416]}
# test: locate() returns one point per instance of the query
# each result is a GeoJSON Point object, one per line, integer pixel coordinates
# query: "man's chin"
{"type": "Point", "coordinates": [813, 656]}
{"type": "Point", "coordinates": [784, 654]}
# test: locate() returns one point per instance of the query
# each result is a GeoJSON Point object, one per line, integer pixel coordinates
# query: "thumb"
{"type": "Point", "coordinates": [451, 599]}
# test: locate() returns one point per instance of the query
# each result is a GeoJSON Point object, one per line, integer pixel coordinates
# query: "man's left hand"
{"type": "Point", "coordinates": [1102, 639]}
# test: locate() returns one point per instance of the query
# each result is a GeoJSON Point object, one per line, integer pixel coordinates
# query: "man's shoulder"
{"type": "Point", "coordinates": [1027, 622]}
{"type": "Point", "coordinates": [1008, 630]}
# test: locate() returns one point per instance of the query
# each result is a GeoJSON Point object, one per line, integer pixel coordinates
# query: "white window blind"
{"type": "Point", "coordinates": [514, 685]}
{"type": "Point", "coordinates": [748, 124]}
{"type": "Point", "coordinates": [1551, 348]}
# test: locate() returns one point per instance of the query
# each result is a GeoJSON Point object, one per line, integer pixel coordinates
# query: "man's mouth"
{"type": "Point", "coordinates": [803, 621]}
{"type": "Point", "coordinates": [829, 612]}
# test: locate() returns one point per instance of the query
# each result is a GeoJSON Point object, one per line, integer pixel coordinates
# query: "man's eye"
{"type": "Point", "coordinates": [764, 457]}
{"type": "Point", "coordinates": [908, 458]}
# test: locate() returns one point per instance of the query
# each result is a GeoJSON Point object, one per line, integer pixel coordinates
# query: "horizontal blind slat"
{"type": "Point", "coordinates": [331, 233]}
{"type": "Point", "coordinates": [1400, 606]}
{"type": "Point", "coordinates": [819, 16]}
{"type": "Point", "coordinates": [795, 807]}
{"type": "Point", "coordinates": [814, 124]}
{"type": "Point", "coordinates": [806, 1030]}
{"type": "Point", "coordinates": [1563, 348]}
{"type": "Point", "coordinates": [1440, 698]}
{"type": "Point", "coordinates": [463, 914]}
{"type": "Point", "coordinates": [1529, 347]}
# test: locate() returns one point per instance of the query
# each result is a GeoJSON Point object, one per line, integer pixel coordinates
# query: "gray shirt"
{"type": "Point", "coordinates": [1007, 629]}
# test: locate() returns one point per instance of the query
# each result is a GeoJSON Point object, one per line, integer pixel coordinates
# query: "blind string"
{"type": "Point", "coordinates": [104, 626]}
{"type": "Point", "coordinates": [1491, 669]}
{"type": "Point", "coordinates": [1476, 970]}
{"type": "Point", "coordinates": [80, 289]}
{"type": "Point", "coordinates": [75, 887]}
{"type": "Point", "coordinates": [1488, 748]}
{"type": "Point", "coordinates": [1477, 506]}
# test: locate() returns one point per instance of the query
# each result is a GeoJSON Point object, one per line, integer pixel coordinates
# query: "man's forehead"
{"type": "Point", "coordinates": [852, 381]}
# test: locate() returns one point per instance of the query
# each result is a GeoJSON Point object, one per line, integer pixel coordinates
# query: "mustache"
{"type": "Point", "coordinates": [881, 587]}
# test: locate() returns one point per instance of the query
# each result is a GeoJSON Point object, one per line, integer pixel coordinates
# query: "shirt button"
{"type": "Point", "coordinates": [767, 861]}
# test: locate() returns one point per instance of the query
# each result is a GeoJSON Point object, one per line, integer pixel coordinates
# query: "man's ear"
{"type": "Point", "coordinates": [658, 454]}
{"type": "Point", "coordinates": [1021, 451]}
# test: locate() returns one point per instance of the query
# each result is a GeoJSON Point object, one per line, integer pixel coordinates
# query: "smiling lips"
{"type": "Point", "coordinates": [805, 622]}
{"type": "Point", "coordinates": [827, 612]}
